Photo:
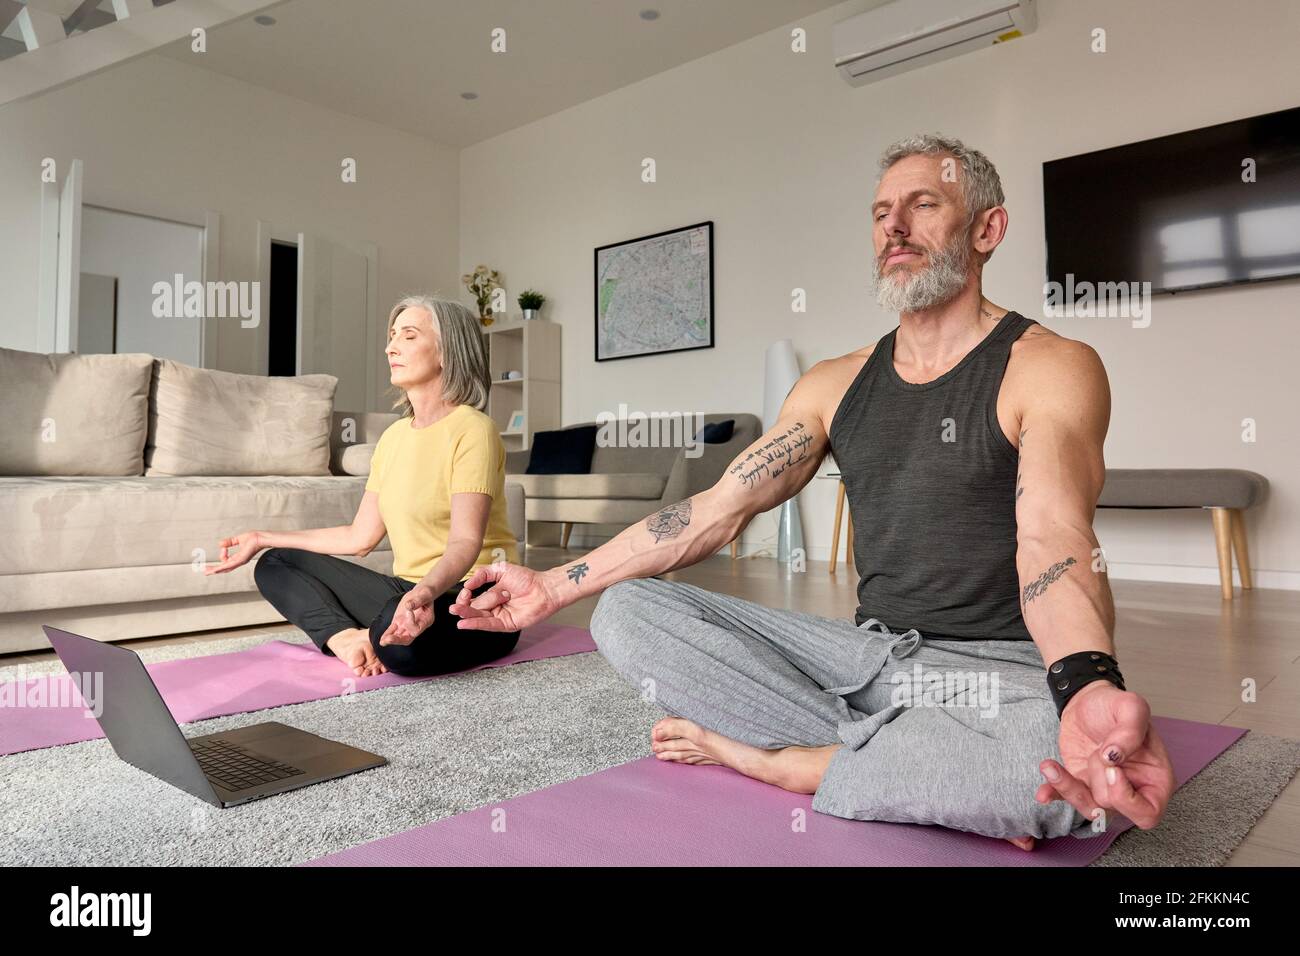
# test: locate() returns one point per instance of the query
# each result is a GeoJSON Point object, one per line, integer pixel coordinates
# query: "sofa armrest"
{"type": "Point", "coordinates": [690, 476]}
{"type": "Point", "coordinates": [515, 514]}
{"type": "Point", "coordinates": [517, 462]}
{"type": "Point", "coordinates": [355, 428]}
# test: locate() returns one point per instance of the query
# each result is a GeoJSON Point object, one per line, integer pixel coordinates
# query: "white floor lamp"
{"type": "Point", "coordinates": [781, 371]}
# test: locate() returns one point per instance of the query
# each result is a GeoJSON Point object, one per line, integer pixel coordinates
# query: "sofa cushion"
{"type": "Point", "coordinates": [209, 422]}
{"type": "Point", "coordinates": [73, 414]}
{"type": "Point", "coordinates": [69, 524]}
{"type": "Point", "coordinates": [566, 451]}
{"type": "Point", "coordinates": [632, 485]}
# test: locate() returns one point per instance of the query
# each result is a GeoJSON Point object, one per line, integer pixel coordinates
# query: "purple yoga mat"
{"type": "Point", "coordinates": [198, 688]}
{"type": "Point", "coordinates": [653, 813]}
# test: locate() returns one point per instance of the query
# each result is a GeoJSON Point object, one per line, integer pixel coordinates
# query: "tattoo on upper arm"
{"type": "Point", "coordinates": [669, 522]}
{"type": "Point", "coordinates": [1036, 587]}
{"type": "Point", "coordinates": [1020, 489]}
{"type": "Point", "coordinates": [775, 456]}
{"type": "Point", "coordinates": [577, 571]}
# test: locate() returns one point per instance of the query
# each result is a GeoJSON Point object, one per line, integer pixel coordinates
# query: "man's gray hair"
{"type": "Point", "coordinates": [981, 188]}
{"type": "Point", "coordinates": [465, 379]}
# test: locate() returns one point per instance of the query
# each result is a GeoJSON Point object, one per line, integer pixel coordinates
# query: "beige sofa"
{"type": "Point", "coordinates": [99, 540]}
{"type": "Point", "coordinates": [625, 484]}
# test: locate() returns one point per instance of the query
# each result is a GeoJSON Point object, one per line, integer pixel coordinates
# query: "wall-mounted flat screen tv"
{"type": "Point", "coordinates": [1209, 207]}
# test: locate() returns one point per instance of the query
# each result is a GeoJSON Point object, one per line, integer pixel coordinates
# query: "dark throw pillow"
{"type": "Point", "coordinates": [565, 451]}
{"type": "Point", "coordinates": [717, 433]}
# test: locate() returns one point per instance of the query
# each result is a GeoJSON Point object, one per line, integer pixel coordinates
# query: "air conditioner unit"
{"type": "Point", "coordinates": [907, 34]}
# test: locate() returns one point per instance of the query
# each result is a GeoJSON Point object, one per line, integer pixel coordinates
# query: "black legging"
{"type": "Point", "coordinates": [323, 595]}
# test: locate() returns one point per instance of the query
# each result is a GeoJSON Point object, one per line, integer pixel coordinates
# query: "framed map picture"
{"type": "Point", "coordinates": [655, 294]}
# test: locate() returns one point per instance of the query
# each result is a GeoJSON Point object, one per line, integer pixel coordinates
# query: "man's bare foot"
{"type": "Point", "coordinates": [353, 648]}
{"type": "Point", "coordinates": [797, 769]}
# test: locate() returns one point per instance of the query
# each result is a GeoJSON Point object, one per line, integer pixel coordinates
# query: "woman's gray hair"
{"type": "Point", "coordinates": [465, 379]}
{"type": "Point", "coordinates": [981, 187]}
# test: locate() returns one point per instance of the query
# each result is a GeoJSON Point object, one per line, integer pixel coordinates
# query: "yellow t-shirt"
{"type": "Point", "coordinates": [415, 471]}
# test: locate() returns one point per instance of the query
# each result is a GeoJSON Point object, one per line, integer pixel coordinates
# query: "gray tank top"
{"type": "Point", "coordinates": [931, 485]}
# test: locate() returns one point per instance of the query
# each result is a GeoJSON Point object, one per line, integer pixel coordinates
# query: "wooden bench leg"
{"type": "Point", "coordinates": [835, 535]}
{"type": "Point", "coordinates": [848, 545]}
{"type": "Point", "coordinates": [1222, 518]}
{"type": "Point", "coordinates": [735, 546]}
{"type": "Point", "coordinates": [565, 528]}
{"type": "Point", "coordinates": [1239, 546]}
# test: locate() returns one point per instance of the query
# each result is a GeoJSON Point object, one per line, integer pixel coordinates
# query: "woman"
{"type": "Point", "coordinates": [436, 488]}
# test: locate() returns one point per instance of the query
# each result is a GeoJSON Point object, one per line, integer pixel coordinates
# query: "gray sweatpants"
{"type": "Point", "coordinates": [946, 732]}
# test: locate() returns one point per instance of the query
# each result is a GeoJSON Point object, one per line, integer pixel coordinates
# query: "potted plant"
{"type": "Point", "coordinates": [531, 302]}
{"type": "Point", "coordinates": [482, 282]}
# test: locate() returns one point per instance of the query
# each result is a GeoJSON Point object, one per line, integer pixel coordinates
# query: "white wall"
{"type": "Point", "coordinates": [168, 139]}
{"type": "Point", "coordinates": [781, 153]}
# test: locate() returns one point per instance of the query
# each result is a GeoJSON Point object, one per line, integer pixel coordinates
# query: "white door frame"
{"type": "Point", "coordinates": [268, 232]}
{"type": "Point", "coordinates": [56, 317]}
{"type": "Point", "coordinates": [209, 222]}
{"type": "Point", "coordinates": [47, 292]}
{"type": "Point", "coordinates": [68, 256]}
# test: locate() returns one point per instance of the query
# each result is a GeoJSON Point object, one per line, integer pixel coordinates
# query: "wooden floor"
{"type": "Point", "coordinates": [1181, 646]}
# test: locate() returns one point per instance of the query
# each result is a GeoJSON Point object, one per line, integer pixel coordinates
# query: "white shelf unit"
{"type": "Point", "coordinates": [532, 348]}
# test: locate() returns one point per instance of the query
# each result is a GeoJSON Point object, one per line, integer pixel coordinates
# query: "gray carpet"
{"type": "Point", "coordinates": [454, 744]}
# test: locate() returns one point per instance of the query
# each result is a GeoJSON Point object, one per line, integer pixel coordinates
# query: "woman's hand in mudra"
{"type": "Point", "coordinates": [234, 552]}
{"type": "Point", "coordinates": [412, 615]}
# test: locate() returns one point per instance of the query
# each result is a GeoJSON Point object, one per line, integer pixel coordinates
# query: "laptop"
{"type": "Point", "coordinates": [224, 769]}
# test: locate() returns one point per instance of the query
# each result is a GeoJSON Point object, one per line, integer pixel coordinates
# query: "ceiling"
{"type": "Point", "coordinates": [405, 63]}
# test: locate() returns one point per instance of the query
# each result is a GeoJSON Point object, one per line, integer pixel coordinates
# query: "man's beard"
{"type": "Point", "coordinates": [937, 283]}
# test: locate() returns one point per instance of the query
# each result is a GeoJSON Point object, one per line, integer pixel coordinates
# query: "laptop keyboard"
{"type": "Point", "coordinates": [235, 768]}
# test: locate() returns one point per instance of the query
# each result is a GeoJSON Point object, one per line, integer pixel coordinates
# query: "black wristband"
{"type": "Point", "coordinates": [1073, 672]}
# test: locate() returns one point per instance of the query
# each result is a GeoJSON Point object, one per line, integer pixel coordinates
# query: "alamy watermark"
{"type": "Point", "coordinates": [1093, 300]}
{"type": "Point", "coordinates": [58, 690]}
{"type": "Point", "coordinates": [933, 688]}
{"type": "Point", "coordinates": [214, 300]}
{"type": "Point", "coordinates": [74, 908]}
{"type": "Point", "coordinates": [622, 429]}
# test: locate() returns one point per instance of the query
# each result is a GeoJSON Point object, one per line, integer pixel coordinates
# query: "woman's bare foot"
{"type": "Point", "coordinates": [798, 769]}
{"type": "Point", "coordinates": [352, 647]}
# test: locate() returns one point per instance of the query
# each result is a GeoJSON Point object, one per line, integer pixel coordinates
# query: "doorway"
{"type": "Point", "coordinates": [125, 259]}
{"type": "Point", "coordinates": [282, 302]}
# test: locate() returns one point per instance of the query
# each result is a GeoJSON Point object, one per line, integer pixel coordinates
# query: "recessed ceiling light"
{"type": "Point", "coordinates": [469, 96]}
{"type": "Point", "coordinates": [263, 20]}
{"type": "Point", "coordinates": [649, 14]}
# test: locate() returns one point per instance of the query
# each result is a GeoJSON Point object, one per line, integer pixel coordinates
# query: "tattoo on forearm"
{"type": "Point", "coordinates": [669, 522]}
{"type": "Point", "coordinates": [1035, 588]}
{"type": "Point", "coordinates": [774, 456]}
{"type": "Point", "coordinates": [1020, 489]}
{"type": "Point", "coordinates": [577, 571]}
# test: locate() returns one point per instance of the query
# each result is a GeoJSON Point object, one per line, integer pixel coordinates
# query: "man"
{"type": "Point", "coordinates": [970, 443]}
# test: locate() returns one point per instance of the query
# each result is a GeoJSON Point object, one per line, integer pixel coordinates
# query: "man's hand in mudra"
{"type": "Point", "coordinates": [519, 597]}
{"type": "Point", "coordinates": [1114, 760]}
